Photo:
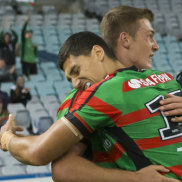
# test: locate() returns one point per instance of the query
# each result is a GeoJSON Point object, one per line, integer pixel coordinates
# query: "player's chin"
{"type": "Point", "coordinates": [148, 65]}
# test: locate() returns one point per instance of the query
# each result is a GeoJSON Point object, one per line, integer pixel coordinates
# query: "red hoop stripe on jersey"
{"type": "Point", "coordinates": [135, 116]}
{"type": "Point", "coordinates": [116, 115]}
{"type": "Point", "coordinates": [103, 107]}
{"type": "Point", "coordinates": [65, 105]}
{"type": "Point", "coordinates": [176, 170]}
{"type": "Point", "coordinates": [155, 142]}
{"type": "Point", "coordinates": [68, 103]}
{"type": "Point", "coordinates": [115, 153]}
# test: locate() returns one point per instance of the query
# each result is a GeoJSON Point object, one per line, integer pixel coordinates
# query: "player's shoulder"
{"type": "Point", "coordinates": [69, 95]}
{"type": "Point", "coordinates": [107, 84]}
{"type": "Point", "coordinates": [117, 80]}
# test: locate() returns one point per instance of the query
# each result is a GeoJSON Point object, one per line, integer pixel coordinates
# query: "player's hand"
{"type": "Point", "coordinates": [153, 173]}
{"type": "Point", "coordinates": [10, 125]}
{"type": "Point", "coordinates": [172, 106]}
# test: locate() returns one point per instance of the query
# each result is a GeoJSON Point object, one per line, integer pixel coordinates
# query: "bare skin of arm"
{"type": "Point", "coordinates": [83, 170]}
{"type": "Point", "coordinates": [58, 139]}
{"type": "Point", "coordinates": [172, 106]}
{"type": "Point", "coordinates": [40, 149]}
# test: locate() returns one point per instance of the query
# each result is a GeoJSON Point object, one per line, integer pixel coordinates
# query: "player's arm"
{"type": "Point", "coordinates": [172, 106]}
{"type": "Point", "coordinates": [41, 149]}
{"type": "Point", "coordinates": [83, 170]}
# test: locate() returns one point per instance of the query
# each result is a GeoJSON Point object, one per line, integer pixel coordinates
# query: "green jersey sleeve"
{"type": "Point", "coordinates": [67, 102]}
{"type": "Point", "coordinates": [95, 108]}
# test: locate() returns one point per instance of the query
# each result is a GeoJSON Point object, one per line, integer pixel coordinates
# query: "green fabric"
{"type": "Point", "coordinates": [125, 100]}
{"type": "Point", "coordinates": [29, 52]}
{"type": "Point", "coordinates": [147, 128]}
{"type": "Point", "coordinates": [65, 110]}
{"type": "Point", "coordinates": [28, 48]}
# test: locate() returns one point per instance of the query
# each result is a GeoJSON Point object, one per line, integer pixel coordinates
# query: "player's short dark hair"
{"type": "Point", "coordinates": [81, 44]}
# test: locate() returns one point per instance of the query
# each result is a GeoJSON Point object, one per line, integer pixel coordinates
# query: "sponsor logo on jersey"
{"type": "Point", "coordinates": [151, 80]}
{"type": "Point", "coordinates": [107, 145]}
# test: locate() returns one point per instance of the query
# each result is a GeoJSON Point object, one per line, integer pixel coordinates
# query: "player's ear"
{"type": "Point", "coordinates": [124, 40]}
{"type": "Point", "coordinates": [98, 51]}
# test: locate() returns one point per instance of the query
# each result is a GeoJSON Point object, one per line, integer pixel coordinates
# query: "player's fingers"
{"type": "Point", "coordinates": [164, 170]}
{"type": "Point", "coordinates": [173, 112]}
{"type": "Point", "coordinates": [170, 95]}
{"type": "Point", "coordinates": [177, 119]}
{"type": "Point", "coordinates": [171, 99]}
{"type": "Point", "coordinates": [160, 168]}
{"type": "Point", "coordinates": [11, 120]}
{"type": "Point", "coordinates": [2, 148]}
{"type": "Point", "coordinates": [9, 125]}
{"type": "Point", "coordinates": [171, 107]}
{"type": "Point", "coordinates": [175, 97]}
{"type": "Point", "coordinates": [19, 128]}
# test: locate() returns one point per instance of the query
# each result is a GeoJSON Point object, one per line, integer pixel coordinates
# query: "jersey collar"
{"type": "Point", "coordinates": [134, 68]}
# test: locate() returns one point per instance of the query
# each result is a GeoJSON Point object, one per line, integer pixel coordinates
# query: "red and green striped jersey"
{"type": "Point", "coordinates": [64, 108]}
{"type": "Point", "coordinates": [129, 101]}
{"type": "Point", "coordinates": [67, 103]}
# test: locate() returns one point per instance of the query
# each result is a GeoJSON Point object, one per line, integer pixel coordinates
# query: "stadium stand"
{"type": "Point", "coordinates": [51, 28]}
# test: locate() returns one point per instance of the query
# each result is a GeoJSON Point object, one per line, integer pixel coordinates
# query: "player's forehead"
{"type": "Point", "coordinates": [74, 61]}
{"type": "Point", "coordinates": [70, 64]}
{"type": "Point", "coordinates": [145, 25]}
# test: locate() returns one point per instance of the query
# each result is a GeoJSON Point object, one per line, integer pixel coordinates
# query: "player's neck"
{"type": "Point", "coordinates": [113, 65]}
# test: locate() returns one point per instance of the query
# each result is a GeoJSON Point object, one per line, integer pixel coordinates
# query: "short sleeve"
{"type": "Point", "coordinates": [94, 109]}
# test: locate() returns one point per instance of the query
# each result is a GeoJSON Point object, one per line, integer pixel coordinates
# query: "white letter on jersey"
{"type": "Point", "coordinates": [134, 83]}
